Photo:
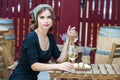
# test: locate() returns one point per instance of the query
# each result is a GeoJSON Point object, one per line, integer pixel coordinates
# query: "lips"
{"type": "Point", "coordinates": [46, 25]}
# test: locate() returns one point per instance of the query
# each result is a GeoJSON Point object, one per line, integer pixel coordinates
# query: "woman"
{"type": "Point", "coordinates": [39, 46]}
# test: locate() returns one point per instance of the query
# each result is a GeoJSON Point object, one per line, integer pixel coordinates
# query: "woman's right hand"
{"type": "Point", "coordinates": [71, 32]}
{"type": "Point", "coordinates": [65, 66]}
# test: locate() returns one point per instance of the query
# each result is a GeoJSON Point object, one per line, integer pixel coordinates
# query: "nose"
{"type": "Point", "coordinates": [46, 20]}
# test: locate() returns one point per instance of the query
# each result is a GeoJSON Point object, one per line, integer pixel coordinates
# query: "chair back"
{"type": "Point", "coordinates": [115, 52]}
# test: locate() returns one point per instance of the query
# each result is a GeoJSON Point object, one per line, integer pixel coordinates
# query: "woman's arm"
{"type": "Point", "coordinates": [63, 55]}
{"type": "Point", "coordinates": [66, 66]}
{"type": "Point", "coordinates": [70, 33]}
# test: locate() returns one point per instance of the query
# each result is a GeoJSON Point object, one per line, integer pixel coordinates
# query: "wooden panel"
{"type": "Point", "coordinates": [101, 13]}
{"type": "Point", "coordinates": [38, 2]}
{"type": "Point", "coordinates": [83, 20]}
{"type": "Point", "coordinates": [116, 68]}
{"type": "Point", "coordinates": [50, 2]}
{"type": "Point", "coordinates": [95, 22]}
{"type": "Point", "coordinates": [118, 14]}
{"type": "Point", "coordinates": [10, 5]}
{"type": "Point", "coordinates": [118, 45]}
{"type": "Point", "coordinates": [27, 21]}
{"type": "Point", "coordinates": [90, 33]}
{"type": "Point", "coordinates": [89, 72]}
{"type": "Point", "coordinates": [44, 1]}
{"type": "Point", "coordinates": [95, 69]}
{"type": "Point", "coordinates": [113, 19]}
{"type": "Point", "coordinates": [102, 69]}
{"type": "Point", "coordinates": [16, 23]}
{"type": "Point", "coordinates": [1, 8]}
{"type": "Point", "coordinates": [21, 25]}
{"type": "Point", "coordinates": [33, 4]}
{"type": "Point", "coordinates": [109, 69]}
{"type": "Point", "coordinates": [57, 20]}
{"type": "Point", "coordinates": [4, 7]}
{"type": "Point", "coordinates": [106, 20]}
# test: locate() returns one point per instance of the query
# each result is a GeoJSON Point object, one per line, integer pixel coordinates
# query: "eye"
{"type": "Point", "coordinates": [41, 17]}
{"type": "Point", "coordinates": [50, 17]}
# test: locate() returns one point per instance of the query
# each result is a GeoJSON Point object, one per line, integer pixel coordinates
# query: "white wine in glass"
{"type": "Point", "coordinates": [73, 56]}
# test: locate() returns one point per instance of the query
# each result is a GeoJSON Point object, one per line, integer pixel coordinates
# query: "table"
{"type": "Point", "coordinates": [98, 71]}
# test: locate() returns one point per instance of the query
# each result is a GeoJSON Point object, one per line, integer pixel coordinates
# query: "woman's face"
{"type": "Point", "coordinates": [45, 20]}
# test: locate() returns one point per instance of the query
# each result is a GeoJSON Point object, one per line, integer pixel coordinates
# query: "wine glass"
{"type": "Point", "coordinates": [72, 56]}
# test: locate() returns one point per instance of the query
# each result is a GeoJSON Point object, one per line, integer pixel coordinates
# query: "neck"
{"type": "Point", "coordinates": [42, 32]}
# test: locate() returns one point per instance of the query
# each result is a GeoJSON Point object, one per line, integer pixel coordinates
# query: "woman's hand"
{"type": "Point", "coordinates": [71, 32]}
{"type": "Point", "coordinates": [66, 66]}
